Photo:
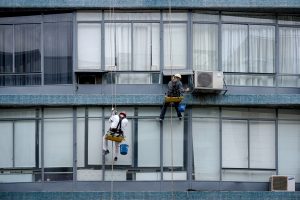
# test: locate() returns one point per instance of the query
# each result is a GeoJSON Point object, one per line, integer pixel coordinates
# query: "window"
{"type": "Point", "coordinates": [206, 143]}
{"type": "Point", "coordinates": [289, 58]}
{"type": "Point", "coordinates": [205, 47]}
{"type": "Point", "coordinates": [250, 49]}
{"type": "Point", "coordinates": [27, 55]}
{"type": "Point", "coordinates": [289, 143]}
{"type": "Point", "coordinates": [58, 53]}
{"type": "Point", "coordinates": [248, 144]}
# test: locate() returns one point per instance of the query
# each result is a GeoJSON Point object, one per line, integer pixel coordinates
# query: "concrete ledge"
{"type": "Point", "coordinates": [210, 100]}
{"type": "Point", "coordinates": [150, 4]}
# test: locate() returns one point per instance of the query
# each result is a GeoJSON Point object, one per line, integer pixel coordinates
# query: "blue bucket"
{"type": "Point", "coordinates": [124, 149]}
{"type": "Point", "coordinates": [181, 107]}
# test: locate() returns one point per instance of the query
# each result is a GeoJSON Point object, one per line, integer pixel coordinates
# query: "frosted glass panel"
{"type": "Point", "coordinates": [89, 16]}
{"type": "Point", "coordinates": [25, 144]}
{"type": "Point", "coordinates": [206, 147]}
{"type": "Point", "coordinates": [58, 138]}
{"type": "Point", "coordinates": [262, 145]}
{"type": "Point", "coordinates": [95, 142]}
{"type": "Point", "coordinates": [6, 144]}
{"type": "Point", "coordinates": [89, 46]}
{"type": "Point", "coordinates": [234, 144]}
{"type": "Point", "coordinates": [173, 135]}
{"type": "Point", "coordinates": [80, 137]}
{"type": "Point", "coordinates": [17, 113]}
{"type": "Point", "coordinates": [148, 143]}
{"type": "Point", "coordinates": [243, 175]}
{"type": "Point", "coordinates": [206, 112]}
{"type": "Point", "coordinates": [175, 45]}
{"type": "Point", "coordinates": [289, 148]}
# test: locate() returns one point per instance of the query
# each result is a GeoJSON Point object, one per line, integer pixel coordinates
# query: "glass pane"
{"type": "Point", "coordinates": [58, 53]}
{"type": "Point", "coordinates": [167, 16]}
{"type": "Point", "coordinates": [148, 139]}
{"type": "Point", "coordinates": [95, 136]}
{"type": "Point", "coordinates": [262, 49]}
{"type": "Point", "coordinates": [118, 46]}
{"type": "Point", "coordinates": [58, 138]}
{"type": "Point", "coordinates": [173, 145]}
{"type": "Point", "coordinates": [289, 19]}
{"type": "Point", "coordinates": [25, 144]}
{"type": "Point", "coordinates": [289, 148]}
{"type": "Point", "coordinates": [6, 144]}
{"type": "Point", "coordinates": [205, 47]}
{"type": "Point", "coordinates": [248, 17]}
{"type": "Point", "coordinates": [146, 49]}
{"type": "Point", "coordinates": [234, 144]}
{"type": "Point", "coordinates": [206, 148]}
{"type": "Point", "coordinates": [206, 16]}
{"type": "Point", "coordinates": [28, 48]}
{"type": "Point", "coordinates": [249, 175]}
{"type": "Point", "coordinates": [80, 137]}
{"type": "Point", "coordinates": [17, 113]}
{"type": "Point", "coordinates": [234, 48]}
{"type": "Point", "coordinates": [288, 81]}
{"type": "Point", "coordinates": [262, 144]}
{"type": "Point", "coordinates": [289, 46]}
{"type": "Point", "coordinates": [89, 46]}
{"type": "Point", "coordinates": [89, 16]}
{"type": "Point", "coordinates": [134, 78]}
{"type": "Point", "coordinates": [175, 46]}
{"type": "Point", "coordinates": [250, 80]}
{"type": "Point", "coordinates": [248, 113]}
{"type": "Point", "coordinates": [137, 15]}
{"type": "Point", "coordinates": [293, 114]}
{"type": "Point", "coordinates": [6, 48]}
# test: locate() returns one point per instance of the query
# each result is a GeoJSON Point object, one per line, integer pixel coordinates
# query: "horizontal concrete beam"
{"type": "Point", "coordinates": [149, 3]}
{"type": "Point", "coordinates": [132, 100]}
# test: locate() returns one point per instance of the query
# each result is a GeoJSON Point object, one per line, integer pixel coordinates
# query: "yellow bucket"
{"type": "Point", "coordinates": [173, 99]}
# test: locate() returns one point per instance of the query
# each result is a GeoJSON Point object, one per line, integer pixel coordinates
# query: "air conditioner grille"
{"type": "Point", "coordinates": [280, 183]}
{"type": "Point", "coordinates": [205, 79]}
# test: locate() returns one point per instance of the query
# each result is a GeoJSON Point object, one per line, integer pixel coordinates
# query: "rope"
{"type": "Point", "coordinates": [113, 86]}
{"type": "Point", "coordinates": [171, 122]}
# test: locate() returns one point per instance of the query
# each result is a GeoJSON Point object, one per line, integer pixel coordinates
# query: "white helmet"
{"type": "Point", "coordinates": [178, 76]}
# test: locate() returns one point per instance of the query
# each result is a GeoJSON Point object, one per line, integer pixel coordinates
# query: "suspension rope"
{"type": "Point", "coordinates": [112, 35]}
{"type": "Point", "coordinates": [171, 122]}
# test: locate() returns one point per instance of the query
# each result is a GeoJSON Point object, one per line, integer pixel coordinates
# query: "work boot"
{"type": "Point", "coordinates": [105, 152]}
{"type": "Point", "coordinates": [116, 159]}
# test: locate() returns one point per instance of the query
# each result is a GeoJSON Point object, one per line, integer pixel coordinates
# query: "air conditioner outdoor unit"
{"type": "Point", "coordinates": [282, 183]}
{"type": "Point", "coordinates": [208, 80]}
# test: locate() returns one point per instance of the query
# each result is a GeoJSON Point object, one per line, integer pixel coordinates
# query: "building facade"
{"type": "Point", "coordinates": [63, 66]}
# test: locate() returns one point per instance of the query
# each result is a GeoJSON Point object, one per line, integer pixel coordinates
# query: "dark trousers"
{"type": "Point", "coordinates": [164, 109]}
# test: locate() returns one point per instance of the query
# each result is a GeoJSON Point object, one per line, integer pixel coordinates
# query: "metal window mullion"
{"type": "Point", "coordinates": [102, 44]}
{"type": "Point", "coordinates": [161, 42]}
{"type": "Point", "coordinates": [190, 153]}
{"type": "Point", "coordinates": [220, 143]}
{"type": "Point", "coordinates": [248, 142]}
{"type": "Point", "coordinates": [276, 52]}
{"type": "Point", "coordinates": [189, 44]}
{"type": "Point", "coordinates": [74, 144]}
{"type": "Point", "coordinates": [103, 133]}
{"type": "Point", "coordinates": [220, 44]}
{"type": "Point", "coordinates": [276, 142]}
{"type": "Point", "coordinates": [86, 136]}
{"type": "Point", "coordinates": [42, 52]}
{"type": "Point", "coordinates": [13, 60]}
{"type": "Point", "coordinates": [131, 34]}
{"type": "Point", "coordinates": [37, 122]}
{"type": "Point", "coordinates": [42, 145]}
{"type": "Point", "coordinates": [13, 144]}
{"type": "Point", "coordinates": [74, 49]}
{"type": "Point", "coordinates": [135, 138]}
{"type": "Point", "coordinates": [161, 146]}
{"type": "Point", "coordinates": [248, 49]}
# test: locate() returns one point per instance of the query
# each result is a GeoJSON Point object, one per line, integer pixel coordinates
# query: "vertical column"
{"type": "Point", "coordinates": [74, 144]}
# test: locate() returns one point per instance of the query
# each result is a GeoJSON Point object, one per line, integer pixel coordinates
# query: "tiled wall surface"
{"type": "Point", "coordinates": [149, 195]}
{"type": "Point", "coordinates": [150, 3]}
{"type": "Point", "coordinates": [60, 100]}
